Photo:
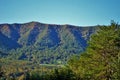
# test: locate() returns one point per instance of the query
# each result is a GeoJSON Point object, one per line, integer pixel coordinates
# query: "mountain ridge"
{"type": "Point", "coordinates": [36, 39]}
{"type": "Point", "coordinates": [47, 24]}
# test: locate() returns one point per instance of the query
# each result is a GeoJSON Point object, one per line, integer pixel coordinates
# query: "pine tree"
{"type": "Point", "coordinates": [105, 43]}
{"type": "Point", "coordinates": [101, 60]}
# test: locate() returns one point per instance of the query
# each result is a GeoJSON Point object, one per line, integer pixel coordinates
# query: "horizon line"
{"type": "Point", "coordinates": [49, 23]}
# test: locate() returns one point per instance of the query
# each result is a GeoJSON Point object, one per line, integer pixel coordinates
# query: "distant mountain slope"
{"type": "Point", "coordinates": [43, 43]}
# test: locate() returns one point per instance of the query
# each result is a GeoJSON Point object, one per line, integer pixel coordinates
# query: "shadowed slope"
{"type": "Point", "coordinates": [44, 42]}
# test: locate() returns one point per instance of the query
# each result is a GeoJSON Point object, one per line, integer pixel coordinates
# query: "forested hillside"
{"type": "Point", "coordinates": [43, 43]}
{"type": "Point", "coordinates": [100, 61]}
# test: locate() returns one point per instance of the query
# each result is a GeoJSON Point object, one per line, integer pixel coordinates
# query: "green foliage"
{"type": "Point", "coordinates": [24, 70]}
{"type": "Point", "coordinates": [101, 60]}
{"type": "Point", "coordinates": [56, 74]}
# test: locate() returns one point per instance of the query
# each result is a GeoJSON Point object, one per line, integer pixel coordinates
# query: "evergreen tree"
{"type": "Point", "coordinates": [105, 44]}
{"type": "Point", "coordinates": [101, 60]}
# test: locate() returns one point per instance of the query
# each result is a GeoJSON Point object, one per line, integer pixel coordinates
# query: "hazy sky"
{"type": "Point", "coordinates": [74, 12]}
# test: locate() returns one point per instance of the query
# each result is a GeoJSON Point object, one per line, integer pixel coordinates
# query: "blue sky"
{"type": "Point", "coordinates": [74, 12]}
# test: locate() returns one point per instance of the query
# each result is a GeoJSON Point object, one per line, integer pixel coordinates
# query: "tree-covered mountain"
{"type": "Point", "coordinates": [43, 43]}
